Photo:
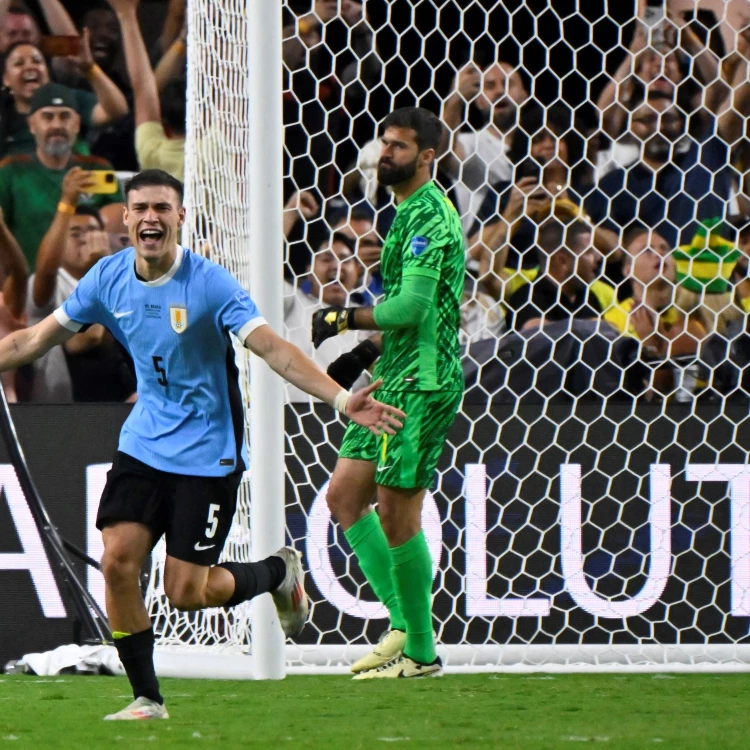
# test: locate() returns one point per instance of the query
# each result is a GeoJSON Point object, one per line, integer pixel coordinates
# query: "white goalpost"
{"type": "Point", "coordinates": [567, 536]}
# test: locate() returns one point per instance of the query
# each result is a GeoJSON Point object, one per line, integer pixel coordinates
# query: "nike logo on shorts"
{"type": "Point", "coordinates": [384, 468]}
{"type": "Point", "coordinates": [119, 315]}
{"type": "Point", "coordinates": [200, 547]}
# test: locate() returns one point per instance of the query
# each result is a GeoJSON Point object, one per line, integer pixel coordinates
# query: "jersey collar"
{"type": "Point", "coordinates": [169, 274]}
{"type": "Point", "coordinates": [427, 186]}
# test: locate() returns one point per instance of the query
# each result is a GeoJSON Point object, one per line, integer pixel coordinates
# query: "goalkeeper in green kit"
{"type": "Point", "coordinates": [423, 274]}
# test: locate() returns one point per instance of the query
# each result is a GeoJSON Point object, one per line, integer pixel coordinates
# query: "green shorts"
{"type": "Point", "coordinates": [408, 458]}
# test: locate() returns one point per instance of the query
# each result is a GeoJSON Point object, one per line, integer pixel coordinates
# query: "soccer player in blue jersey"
{"type": "Point", "coordinates": [181, 452]}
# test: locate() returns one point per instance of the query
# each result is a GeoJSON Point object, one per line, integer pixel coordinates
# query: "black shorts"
{"type": "Point", "coordinates": [193, 513]}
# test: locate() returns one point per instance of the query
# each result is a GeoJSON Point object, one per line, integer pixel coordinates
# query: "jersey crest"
{"type": "Point", "coordinates": [178, 319]}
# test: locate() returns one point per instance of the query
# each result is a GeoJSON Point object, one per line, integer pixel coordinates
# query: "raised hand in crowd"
{"type": "Point", "coordinates": [301, 204]}
{"type": "Point", "coordinates": [75, 182]}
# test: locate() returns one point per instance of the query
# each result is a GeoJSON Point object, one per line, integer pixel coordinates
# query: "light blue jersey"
{"type": "Point", "coordinates": [189, 416]}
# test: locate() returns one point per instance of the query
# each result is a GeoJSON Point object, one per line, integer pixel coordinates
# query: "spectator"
{"type": "Point", "coordinates": [504, 234]}
{"type": "Point", "coordinates": [25, 72]}
{"type": "Point", "coordinates": [369, 247]}
{"type": "Point", "coordinates": [160, 127]}
{"type": "Point", "coordinates": [312, 96]}
{"type": "Point", "coordinates": [482, 317]}
{"type": "Point", "coordinates": [18, 25]}
{"type": "Point", "coordinates": [650, 314]}
{"type": "Point", "coordinates": [113, 141]}
{"type": "Point", "coordinates": [330, 281]}
{"type": "Point", "coordinates": [31, 186]}
{"type": "Point", "coordinates": [477, 159]}
{"type": "Point", "coordinates": [677, 181]}
{"type": "Point", "coordinates": [350, 42]}
{"type": "Point", "coordinates": [560, 292]}
{"type": "Point", "coordinates": [175, 21]}
{"type": "Point", "coordinates": [90, 366]}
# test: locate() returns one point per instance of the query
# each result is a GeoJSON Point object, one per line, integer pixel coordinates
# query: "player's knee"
{"type": "Point", "coordinates": [118, 568]}
{"type": "Point", "coordinates": [397, 526]}
{"type": "Point", "coordinates": [335, 499]}
{"type": "Point", "coordinates": [185, 595]}
{"type": "Point", "coordinates": [345, 505]}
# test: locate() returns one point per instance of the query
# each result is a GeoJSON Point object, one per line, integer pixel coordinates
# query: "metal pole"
{"type": "Point", "coordinates": [266, 274]}
{"type": "Point", "coordinates": [89, 613]}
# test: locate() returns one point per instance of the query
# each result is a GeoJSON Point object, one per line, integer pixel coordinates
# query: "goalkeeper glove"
{"type": "Point", "coordinates": [348, 367]}
{"type": "Point", "coordinates": [331, 321]}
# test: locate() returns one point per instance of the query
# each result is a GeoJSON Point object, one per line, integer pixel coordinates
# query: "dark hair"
{"type": "Point", "coordinates": [174, 106]}
{"type": "Point", "coordinates": [426, 125]}
{"type": "Point", "coordinates": [90, 211]}
{"type": "Point", "coordinates": [13, 47]}
{"type": "Point", "coordinates": [632, 232]}
{"type": "Point", "coordinates": [154, 178]}
{"type": "Point", "coordinates": [360, 213]}
{"type": "Point", "coordinates": [20, 10]}
{"type": "Point", "coordinates": [554, 236]}
{"type": "Point", "coordinates": [344, 239]}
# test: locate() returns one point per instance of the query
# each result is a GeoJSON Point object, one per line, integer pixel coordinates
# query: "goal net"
{"type": "Point", "coordinates": [592, 506]}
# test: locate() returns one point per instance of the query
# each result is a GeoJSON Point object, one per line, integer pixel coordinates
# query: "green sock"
{"type": "Point", "coordinates": [368, 541]}
{"type": "Point", "coordinates": [412, 572]}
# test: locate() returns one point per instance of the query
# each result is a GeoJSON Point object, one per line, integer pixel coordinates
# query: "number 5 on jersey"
{"type": "Point", "coordinates": [162, 379]}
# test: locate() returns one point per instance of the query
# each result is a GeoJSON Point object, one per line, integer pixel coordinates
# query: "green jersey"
{"type": "Point", "coordinates": [425, 238]}
{"type": "Point", "coordinates": [30, 192]}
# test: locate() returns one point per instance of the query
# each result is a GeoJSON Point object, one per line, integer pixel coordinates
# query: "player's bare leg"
{"type": "Point", "coordinates": [126, 546]}
{"type": "Point", "coordinates": [350, 494]}
{"type": "Point", "coordinates": [190, 587]}
{"type": "Point", "coordinates": [401, 517]}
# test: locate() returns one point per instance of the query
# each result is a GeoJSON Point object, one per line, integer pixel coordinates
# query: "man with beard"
{"type": "Point", "coordinates": [31, 185]}
{"type": "Point", "coordinates": [678, 181]}
{"type": "Point", "coordinates": [181, 452]}
{"type": "Point", "coordinates": [423, 276]}
{"type": "Point", "coordinates": [478, 158]}
{"type": "Point", "coordinates": [568, 264]}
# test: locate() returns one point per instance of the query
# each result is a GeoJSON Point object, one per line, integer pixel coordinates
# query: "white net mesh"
{"type": "Point", "coordinates": [591, 505]}
{"type": "Point", "coordinates": [216, 180]}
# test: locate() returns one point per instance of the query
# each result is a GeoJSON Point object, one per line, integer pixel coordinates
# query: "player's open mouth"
{"type": "Point", "coordinates": [150, 237]}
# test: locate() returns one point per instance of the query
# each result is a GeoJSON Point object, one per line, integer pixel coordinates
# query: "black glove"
{"type": "Point", "coordinates": [331, 321]}
{"type": "Point", "coordinates": [348, 367]}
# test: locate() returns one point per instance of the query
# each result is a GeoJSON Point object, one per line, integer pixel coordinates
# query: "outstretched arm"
{"type": "Point", "coordinates": [111, 104]}
{"type": "Point", "coordinates": [57, 18]}
{"type": "Point", "coordinates": [16, 270]}
{"type": "Point", "coordinates": [407, 309]}
{"type": "Point", "coordinates": [291, 363]}
{"type": "Point", "coordinates": [23, 347]}
{"type": "Point", "coordinates": [147, 107]}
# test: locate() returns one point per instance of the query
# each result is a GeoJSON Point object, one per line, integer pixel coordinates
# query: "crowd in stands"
{"type": "Point", "coordinates": [638, 221]}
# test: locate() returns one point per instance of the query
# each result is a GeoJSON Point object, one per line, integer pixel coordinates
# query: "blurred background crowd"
{"type": "Point", "coordinates": [599, 164]}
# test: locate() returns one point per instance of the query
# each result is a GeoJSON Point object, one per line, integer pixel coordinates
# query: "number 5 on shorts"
{"type": "Point", "coordinates": [213, 521]}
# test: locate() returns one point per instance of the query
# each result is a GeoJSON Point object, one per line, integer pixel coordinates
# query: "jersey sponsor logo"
{"type": "Point", "coordinates": [200, 547]}
{"type": "Point", "coordinates": [243, 298]}
{"type": "Point", "coordinates": [119, 314]}
{"type": "Point", "coordinates": [178, 319]}
{"type": "Point", "coordinates": [419, 245]}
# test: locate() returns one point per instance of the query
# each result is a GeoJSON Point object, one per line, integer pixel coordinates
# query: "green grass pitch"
{"type": "Point", "coordinates": [472, 711]}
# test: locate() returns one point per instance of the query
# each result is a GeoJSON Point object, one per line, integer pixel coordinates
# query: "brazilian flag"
{"type": "Point", "coordinates": [708, 261]}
